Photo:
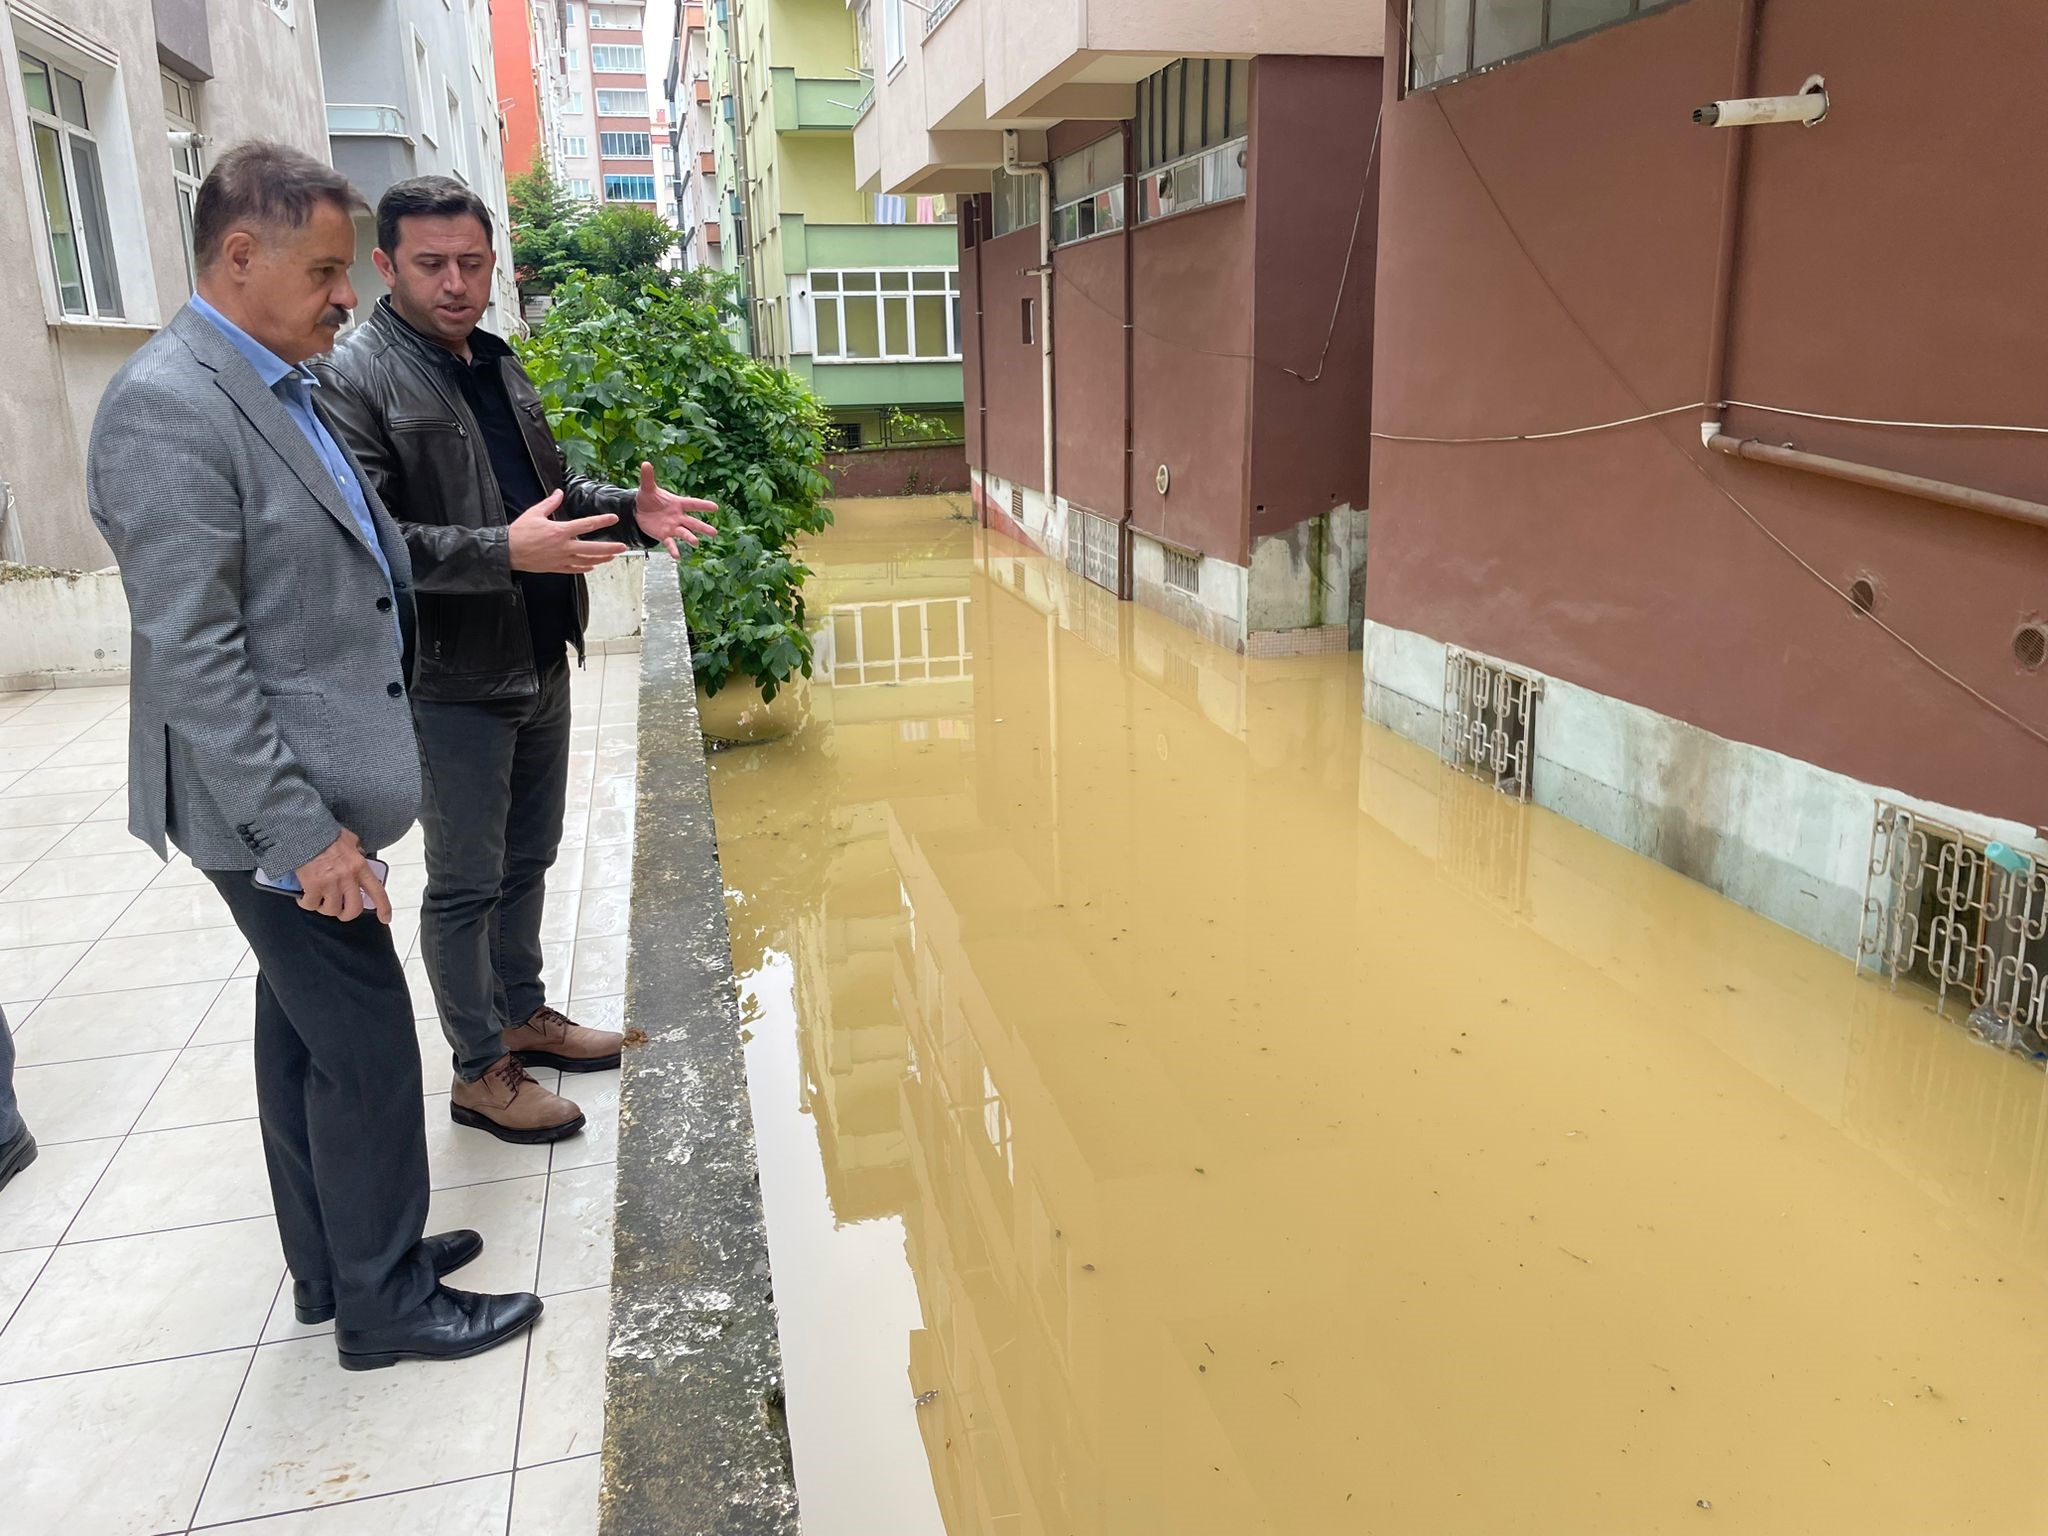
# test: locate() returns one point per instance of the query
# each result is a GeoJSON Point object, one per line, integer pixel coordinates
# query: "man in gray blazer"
{"type": "Point", "coordinates": [271, 737]}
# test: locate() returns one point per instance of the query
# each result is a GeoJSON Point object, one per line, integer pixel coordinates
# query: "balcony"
{"type": "Point", "coordinates": [711, 231]}
{"type": "Point", "coordinates": [693, 18]}
{"type": "Point", "coordinates": [700, 91]}
{"type": "Point", "coordinates": [370, 145]}
{"type": "Point", "coordinates": [707, 161]}
{"type": "Point", "coordinates": [813, 106]}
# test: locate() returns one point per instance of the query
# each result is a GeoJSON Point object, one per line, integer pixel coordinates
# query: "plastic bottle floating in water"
{"type": "Point", "coordinates": [2009, 859]}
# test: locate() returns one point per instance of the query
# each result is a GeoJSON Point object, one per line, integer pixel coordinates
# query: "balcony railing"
{"type": "Point", "coordinates": [365, 120]}
{"type": "Point", "coordinates": [938, 13]}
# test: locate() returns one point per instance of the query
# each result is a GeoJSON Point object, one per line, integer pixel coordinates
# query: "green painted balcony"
{"type": "Point", "coordinates": [814, 106]}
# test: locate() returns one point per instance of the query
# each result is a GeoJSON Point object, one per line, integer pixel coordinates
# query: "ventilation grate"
{"type": "Point", "coordinates": [1092, 547]}
{"type": "Point", "coordinates": [1489, 728]}
{"type": "Point", "coordinates": [2030, 646]}
{"type": "Point", "coordinates": [1183, 571]}
{"type": "Point", "coordinates": [1939, 909]}
{"type": "Point", "coordinates": [1017, 505]}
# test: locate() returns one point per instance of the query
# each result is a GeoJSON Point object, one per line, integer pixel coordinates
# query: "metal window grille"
{"type": "Point", "coordinates": [1183, 571]}
{"type": "Point", "coordinates": [1092, 547]}
{"type": "Point", "coordinates": [1489, 726]}
{"type": "Point", "coordinates": [1938, 909]}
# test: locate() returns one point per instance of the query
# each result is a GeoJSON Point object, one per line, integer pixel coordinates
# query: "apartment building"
{"type": "Point", "coordinates": [856, 291]}
{"type": "Point", "coordinates": [1781, 587]}
{"type": "Point", "coordinates": [607, 128]}
{"type": "Point", "coordinates": [113, 110]}
{"type": "Point", "coordinates": [526, 44]}
{"type": "Point", "coordinates": [412, 91]}
{"type": "Point", "coordinates": [1166, 285]}
{"type": "Point", "coordinates": [694, 137]}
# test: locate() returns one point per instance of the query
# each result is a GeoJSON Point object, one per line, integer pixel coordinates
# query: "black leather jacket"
{"type": "Point", "coordinates": [388, 393]}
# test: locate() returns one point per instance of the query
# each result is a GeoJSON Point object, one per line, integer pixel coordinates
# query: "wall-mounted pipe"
{"type": "Point", "coordinates": [1732, 167]}
{"type": "Point", "coordinates": [1992, 503]}
{"type": "Point", "coordinates": [1127, 557]}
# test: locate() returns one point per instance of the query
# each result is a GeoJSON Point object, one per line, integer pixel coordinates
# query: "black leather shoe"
{"type": "Point", "coordinates": [446, 1251]}
{"type": "Point", "coordinates": [16, 1154]}
{"type": "Point", "coordinates": [448, 1325]}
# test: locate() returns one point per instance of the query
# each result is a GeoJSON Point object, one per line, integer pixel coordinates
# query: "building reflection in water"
{"type": "Point", "coordinates": [1227, 1121]}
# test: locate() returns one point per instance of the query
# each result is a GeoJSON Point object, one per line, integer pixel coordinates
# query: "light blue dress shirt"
{"type": "Point", "coordinates": [294, 388]}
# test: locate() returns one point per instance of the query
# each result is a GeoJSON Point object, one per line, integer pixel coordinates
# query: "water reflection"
{"type": "Point", "coordinates": [1184, 1109]}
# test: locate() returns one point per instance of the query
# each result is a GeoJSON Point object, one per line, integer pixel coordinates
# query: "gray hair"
{"type": "Point", "coordinates": [271, 185]}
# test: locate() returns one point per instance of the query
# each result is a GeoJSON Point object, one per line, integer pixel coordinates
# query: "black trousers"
{"type": "Point", "coordinates": [338, 1089]}
{"type": "Point", "coordinates": [496, 776]}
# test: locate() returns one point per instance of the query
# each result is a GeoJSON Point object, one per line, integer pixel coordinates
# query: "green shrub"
{"type": "Point", "coordinates": [653, 375]}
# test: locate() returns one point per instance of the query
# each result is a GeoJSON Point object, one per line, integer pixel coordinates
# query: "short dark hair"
{"type": "Point", "coordinates": [432, 197]}
{"type": "Point", "coordinates": [268, 184]}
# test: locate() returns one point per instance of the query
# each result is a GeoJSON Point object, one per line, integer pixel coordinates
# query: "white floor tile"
{"type": "Point", "coordinates": [206, 1084]}
{"type": "Point", "coordinates": [47, 810]}
{"type": "Point", "coordinates": [423, 1006]}
{"type": "Point", "coordinates": [91, 838]}
{"type": "Point", "coordinates": [179, 1178]}
{"type": "Point", "coordinates": [476, 1507]}
{"type": "Point", "coordinates": [173, 909]}
{"type": "Point", "coordinates": [114, 1453]}
{"type": "Point", "coordinates": [9, 872]}
{"type": "Point", "coordinates": [92, 875]}
{"type": "Point", "coordinates": [32, 971]}
{"type": "Point", "coordinates": [600, 967]}
{"type": "Point", "coordinates": [604, 912]}
{"type": "Point", "coordinates": [21, 844]}
{"type": "Point", "coordinates": [45, 780]}
{"type": "Point", "coordinates": [18, 1270]}
{"type": "Point", "coordinates": [114, 1023]}
{"type": "Point", "coordinates": [508, 1215]}
{"type": "Point", "coordinates": [232, 1015]}
{"type": "Point", "coordinates": [576, 1240]}
{"type": "Point", "coordinates": [39, 1203]}
{"type": "Point", "coordinates": [559, 1500]}
{"type": "Point", "coordinates": [613, 792]}
{"type": "Point", "coordinates": [178, 872]}
{"type": "Point", "coordinates": [89, 751]}
{"type": "Point", "coordinates": [84, 1100]}
{"type": "Point", "coordinates": [611, 825]}
{"type": "Point", "coordinates": [307, 1433]}
{"type": "Point", "coordinates": [597, 1093]}
{"type": "Point", "coordinates": [564, 1413]}
{"type": "Point", "coordinates": [459, 1155]}
{"type": "Point", "coordinates": [58, 920]}
{"type": "Point", "coordinates": [156, 960]}
{"type": "Point", "coordinates": [21, 761]}
{"type": "Point", "coordinates": [559, 917]}
{"type": "Point", "coordinates": [611, 865]}
{"type": "Point", "coordinates": [145, 1298]}
{"type": "Point", "coordinates": [113, 808]}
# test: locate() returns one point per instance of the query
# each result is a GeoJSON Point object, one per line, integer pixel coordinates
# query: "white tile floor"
{"type": "Point", "coordinates": [152, 1379]}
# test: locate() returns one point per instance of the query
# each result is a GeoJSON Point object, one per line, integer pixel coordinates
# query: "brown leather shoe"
{"type": "Point", "coordinates": [551, 1039]}
{"type": "Point", "coordinates": [513, 1107]}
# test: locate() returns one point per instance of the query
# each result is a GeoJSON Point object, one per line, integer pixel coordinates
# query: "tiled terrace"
{"type": "Point", "coordinates": [151, 1377]}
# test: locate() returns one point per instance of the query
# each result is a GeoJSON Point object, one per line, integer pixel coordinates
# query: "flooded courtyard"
{"type": "Point", "coordinates": [1186, 1108]}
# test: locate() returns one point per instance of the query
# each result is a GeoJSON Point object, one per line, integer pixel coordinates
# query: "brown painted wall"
{"type": "Point", "coordinates": [1547, 241]}
{"type": "Point", "coordinates": [1311, 146]}
{"type": "Point", "coordinates": [924, 470]}
{"type": "Point", "coordinates": [1014, 426]}
{"type": "Point", "coordinates": [1088, 371]}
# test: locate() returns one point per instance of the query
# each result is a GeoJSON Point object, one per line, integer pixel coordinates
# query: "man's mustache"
{"type": "Point", "coordinates": [335, 318]}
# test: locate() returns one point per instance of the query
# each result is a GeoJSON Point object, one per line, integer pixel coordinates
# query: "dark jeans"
{"type": "Point", "coordinates": [496, 775]}
{"type": "Point", "coordinates": [338, 1089]}
{"type": "Point", "coordinates": [10, 1113]}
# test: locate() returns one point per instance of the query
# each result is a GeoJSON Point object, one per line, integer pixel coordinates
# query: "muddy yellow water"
{"type": "Point", "coordinates": [1187, 1109]}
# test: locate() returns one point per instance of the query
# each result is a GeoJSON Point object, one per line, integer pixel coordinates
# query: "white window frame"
{"type": "Point", "coordinates": [579, 186]}
{"type": "Point", "coordinates": [836, 300]}
{"type": "Point", "coordinates": [572, 60]}
{"type": "Point", "coordinates": [423, 89]}
{"type": "Point", "coordinates": [624, 154]}
{"type": "Point", "coordinates": [575, 16]}
{"type": "Point", "coordinates": [458, 147]}
{"type": "Point", "coordinates": [576, 146]}
{"type": "Point", "coordinates": [100, 69]}
{"type": "Point", "coordinates": [637, 67]}
{"type": "Point", "coordinates": [186, 176]}
{"type": "Point", "coordinates": [895, 47]}
{"type": "Point", "coordinates": [639, 111]}
{"type": "Point", "coordinates": [573, 104]}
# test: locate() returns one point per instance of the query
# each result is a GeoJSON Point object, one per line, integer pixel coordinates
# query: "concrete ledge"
{"type": "Point", "coordinates": [695, 1438]}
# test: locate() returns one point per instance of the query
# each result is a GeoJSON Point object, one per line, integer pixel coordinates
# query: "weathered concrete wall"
{"type": "Point", "coordinates": [1785, 838]}
{"type": "Point", "coordinates": [695, 1437]}
{"type": "Point", "coordinates": [54, 628]}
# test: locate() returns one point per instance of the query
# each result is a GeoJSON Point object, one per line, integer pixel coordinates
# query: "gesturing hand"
{"type": "Point", "coordinates": [340, 883]}
{"type": "Point", "coordinates": [539, 543]}
{"type": "Point", "coordinates": [666, 517]}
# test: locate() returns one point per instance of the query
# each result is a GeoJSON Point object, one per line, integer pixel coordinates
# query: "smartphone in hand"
{"type": "Point", "coordinates": [287, 884]}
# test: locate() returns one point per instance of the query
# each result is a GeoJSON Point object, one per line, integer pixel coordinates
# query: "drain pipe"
{"type": "Point", "coordinates": [1733, 164]}
{"type": "Point", "coordinates": [1014, 164]}
{"type": "Point", "coordinates": [982, 212]}
{"type": "Point", "coordinates": [1126, 552]}
{"type": "Point", "coordinates": [2012, 508]}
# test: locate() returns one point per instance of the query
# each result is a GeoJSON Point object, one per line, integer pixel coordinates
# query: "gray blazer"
{"type": "Point", "coordinates": [267, 709]}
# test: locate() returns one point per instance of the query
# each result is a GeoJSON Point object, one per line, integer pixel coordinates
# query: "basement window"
{"type": "Point", "coordinates": [1088, 192]}
{"type": "Point", "coordinates": [1450, 39]}
{"type": "Point", "coordinates": [1183, 571]}
{"type": "Point", "coordinates": [1489, 723]}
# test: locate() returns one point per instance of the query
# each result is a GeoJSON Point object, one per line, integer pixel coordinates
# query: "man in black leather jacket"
{"type": "Point", "coordinates": [441, 416]}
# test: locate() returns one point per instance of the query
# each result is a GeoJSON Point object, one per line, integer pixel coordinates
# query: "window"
{"type": "Point", "coordinates": [621, 103]}
{"type": "Point", "coordinates": [576, 146]}
{"type": "Point", "coordinates": [1192, 124]}
{"type": "Point", "coordinates": [1030, 314]}
{"type": "Point", "coordinates": [74, 192]}
{"type": "Point", "coordinates": [420, 93]}
{"type": "Point", "coordinates": [1450, 38]}
{"type": "Point", "coordinates": [892, 31]}
{"type": "Point", "coordinates": [887, 315]}
{"type": "Point", "coordinates": [619, 59]}
{"type": "Point", "coordinates": [1088, 191]}
{"type": "Point", "coordinates": [457, 144]}
{"type": "Point", "coordinates": [1016, 202]}
{"type": "Point", "coordinates": [574, 16]}
{"type": "Point", "coordinates": [572, 104]}
{"type": "Point", "coordinates": [624, 146]}
{"type": "Point", "coordinates": [572, 60]}
{"type": "Point", "coordinates": [188, 167]}
{"type": "Point", "coordinates": [579, 186]}
{"type": "Point", "coordinates": [629, 189]}
{"type": "Point", "coordinates": [864, 38]}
